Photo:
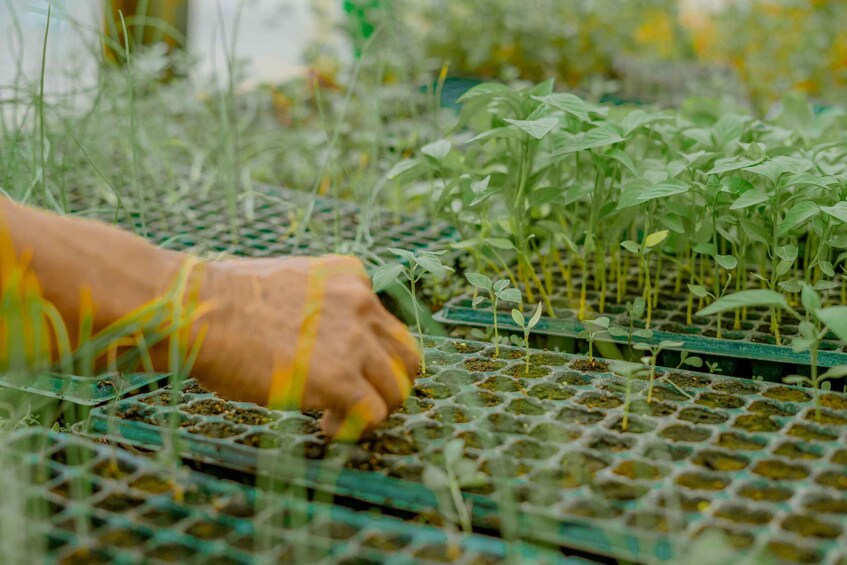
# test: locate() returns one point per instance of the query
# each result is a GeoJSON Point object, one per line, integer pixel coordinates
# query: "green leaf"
{"type": "Point", "coordinates": [694, 361]}
{"type": "Point", "coordinates": [750, 198]}
{"type": "Point", "coordinates": [643, 334]}
{"type": "Point", "coordinates": [792, 286]}
{"type": "Point", "coordinates": [783, 267]}
{"type": "Point", "coordinates": [518, 317]}
{"type": "Point", "coordinates": [839, 211]}
{"type": "Point", "coordinates": [510, 295]}
{"type": "Point", "coordinates": [631, 246]}
{"type": "Point", "coordinates": [573, 105]}
{"type": "Point", "coordinates": [668, 344]}
{"type": "Point", "coordinates": [699, 291]}
{"type": "Point", "coordinates": [745, 299]}
{"type": "Point", "coordinates": [479, 280]}
{"type": "Point", "coordinates": [796, 380]}
{"type": "Point", "coordinates": [432, 265]}
{"type": "Point", "coordinates": [728, 164]}
{"type": "Point", "coordinates": [617, 331]}
{"type": "Point", "coordinates": [827, 268]}
{"type": "Point", "coordinates": [536, 316]}
{"type": "Point", "coordinates": [810, 299]}
{"type": "Point", "coordinates": [663, 190]}
{"type": "Point", "coordinates": [787, 253]}
{"type": "Point", "coordinates": [437, 149]}
{"type": "Point", "coordinates": [837, 372]}
{"type": "Point", "coordinates": [536, 128]}
{"type": "Point", "coordinates": [499, 243]}
{"type": "Point", "coordinates": [655, 238]}
{"type": "Point", "coordinates": [592, 139]}
{"type": "Point", "coordinates": [623, 158]}
{"type": "Point", "coordinates": [505, 131]}
{"type": "Point", "coordinates": [403, 167]}
{"type": "Point", "coordinates": [673, 223]}
{"type": "Point", "coordinates": [602, 322]}
{"type": "Point", "coordinates": [402, 253]}
{"type": "Point", "coordinates": [385, 275]}
{"type": "Point", "coordinates": [478, 300]}
{"type": "Point", "coordinates": [727, 262]}
{"type": "Point", "coordinates": [825, 285]}
{"type": "Point", "coordinates": [835, 318]}
{"type": "Point", "coordinates": [500, 285]}
{"type": "Point", "coordinates": [798, 215]}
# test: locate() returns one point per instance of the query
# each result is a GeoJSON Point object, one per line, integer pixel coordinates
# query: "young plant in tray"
{"type": "Point", "coordinates": [652, 359]}
{"type": "Point", "coordinates": [496, 291]}
{"type": "Point", "coordinates": [815, 324]}
{"type": "Point", "coordinates": [448, 481]}
{"type": "Point", "coordinates": [416, 266]}
{"type": "Point", "coordinates": [526, 326]}
{"type": "Point", "coordinates": [592, 330]}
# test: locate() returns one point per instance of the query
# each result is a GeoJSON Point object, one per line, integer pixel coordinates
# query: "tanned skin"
{"type": "Point", "coordinates": [360, 361]}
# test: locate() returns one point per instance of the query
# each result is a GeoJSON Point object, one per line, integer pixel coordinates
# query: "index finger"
{"type": "Point", "coordinates": [399, 343]}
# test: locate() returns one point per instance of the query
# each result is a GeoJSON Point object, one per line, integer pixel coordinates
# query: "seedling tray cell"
{"type": "Point", "coordinates": [83, 391]}
{"type": "Point", "coordinates": [268, 226]}
{"type": "Point", "coordinates": [709, 453]}
{"type": "Point", "coordinates": [94, 503]}
{"type": "Point", "coordinates": [751, 339]}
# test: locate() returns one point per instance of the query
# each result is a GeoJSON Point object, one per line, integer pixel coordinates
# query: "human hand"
{"type": "Point", "coordinates": [307, 333]}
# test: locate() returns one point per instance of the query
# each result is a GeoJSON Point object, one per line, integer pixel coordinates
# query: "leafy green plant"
{"type": "Point", "coordinates": [815, 324]}
{"type": "Point", "coordinates": [629, 371]}
{"type": "Point", "coordinates": [526, 327]}
{"type": "Point", "coordinates": [652, 359]}
{"type": "Point", "coordinates": [591, 330]}
{"type": "Point", "coordinates": [458, 472]}
{"type": "Point", "coordinates": [414, 267]}
{"type": "Point", "coordinates": [497, 291]}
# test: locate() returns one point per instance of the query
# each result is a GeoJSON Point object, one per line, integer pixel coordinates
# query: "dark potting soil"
{"type": "Point", "coordinates": [760, 492]}
{"type": "Point", "coordinates": [590, 366]}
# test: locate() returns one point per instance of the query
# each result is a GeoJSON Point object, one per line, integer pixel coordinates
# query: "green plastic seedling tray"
{"type": "Point", "coordinates": [268, 227]}
{"type": "Point", "coordinates": [740, 457]}
{"type": "Point", "coordinates": [83, 391]}
{"type": "Point", "coordinates": [98, 504]}
{"type": "Point", "coordinates": [669, 322]}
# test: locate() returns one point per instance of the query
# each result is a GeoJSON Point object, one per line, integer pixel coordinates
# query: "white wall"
{"type": "Point", "coordinates": [272, 36]}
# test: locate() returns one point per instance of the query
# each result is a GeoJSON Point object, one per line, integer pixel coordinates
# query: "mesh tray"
{"type": "Point", "coordinates": [740, 457]}
{"type": "Point", "coordinates": [84, 391]}
{"type": "Point", "coordinates": [753, 340]}
{"type": "Point", "coordinates": [267, 226]}
{"type": "Point", "coordinates": [205, 226]}
{"type": "Point", "coordinates": [131, 509]}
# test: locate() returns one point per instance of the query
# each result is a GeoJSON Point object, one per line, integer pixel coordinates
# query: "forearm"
{"type": "Point", "coordinates": [71, 255]}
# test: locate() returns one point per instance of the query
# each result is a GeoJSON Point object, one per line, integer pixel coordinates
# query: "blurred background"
{"type": "Point", "coordinates": [214, 95]}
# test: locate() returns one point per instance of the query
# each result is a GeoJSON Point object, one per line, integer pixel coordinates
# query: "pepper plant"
{"type": "Point", "coordinates": [497, 291]}
{"type": "Point", "coordinates": [415, 266]}
{"type": "Point", "coordinates": [815, 324]}
{"type": "Point", "coordinates": [526, 327]}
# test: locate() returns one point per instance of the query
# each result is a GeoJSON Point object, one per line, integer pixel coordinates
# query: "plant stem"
{"type": "Point", "coordinates": [496, 333]}
{"type": "Point", "coordinates": [653, 361]}
{"type": "Point", "coordinates": [417, 306]}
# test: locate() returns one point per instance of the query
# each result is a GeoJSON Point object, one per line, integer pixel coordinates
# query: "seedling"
{"type": "Point", "coordinates": [692, 361]}
{"type": "Point", "coordinates": [591, 330]}
{"type": "Point", "coordinates": [813, 327]}
{"type": "Point", "coordinates": [458, 472]}
{"type": "Point", "coordinates": [526, 326]}
{"type": "Point", "coordinates": [635, 311]}
{"type": "Point", "coordinates": [629, 371]}
{"type": "Point", "coordinates": [652, 359]}
{"type": "Point", "coordinates": [497, 291]}
{"type": "Point", "coordinates": [416, 265]}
